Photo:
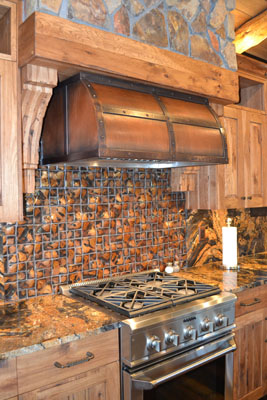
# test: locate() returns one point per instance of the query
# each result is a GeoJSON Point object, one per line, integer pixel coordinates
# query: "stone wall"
{"type": "Point", "coordinates": [201, 29]}
{"type": "Point", "coordinates": [84, 223]}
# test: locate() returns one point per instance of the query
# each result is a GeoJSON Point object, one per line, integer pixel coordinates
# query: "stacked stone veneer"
{"type": "Point", "coordinates": [201, 29]}
{"type": "Point", "coordinates": [84, 223]}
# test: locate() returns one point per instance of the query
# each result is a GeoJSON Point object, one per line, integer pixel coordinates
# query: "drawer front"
{"type": "Point", "coordinates": [8, 379]}
{"type": "Point", "coordinates": [251, 300]}
{"type": "Point", "coordinates": [38, 369]}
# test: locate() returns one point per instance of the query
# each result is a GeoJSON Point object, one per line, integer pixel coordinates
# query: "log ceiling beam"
{"type": "Point", "coordinates": [251, 33]}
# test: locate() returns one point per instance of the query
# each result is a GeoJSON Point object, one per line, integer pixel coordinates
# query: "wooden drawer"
{"type": "Point", "coordinates": [37, 369]}
{"type": "Point", "coordinates": [101, 383]}
{"type": "Point", "coordinates": [251, 300]}
{"type": "Point", "coordinates": [8, 379]}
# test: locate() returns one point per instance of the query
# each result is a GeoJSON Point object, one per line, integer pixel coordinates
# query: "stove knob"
{"type": "Point", "coordinates": [189, 332]}
{"type": "Point", "coordinates": [219, 319]}
{"type": "Point", "coordinates": [153, 343]}
{"type": "Point", "coordinates": [205, 325]}
{"type": "Point", "coordinates": [172, 338]}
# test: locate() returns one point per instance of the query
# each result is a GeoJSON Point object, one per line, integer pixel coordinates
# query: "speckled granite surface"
{"type": "Point", "coordinates": [251, 272]}
{"type": "Point", "coordinates": [42, 322]}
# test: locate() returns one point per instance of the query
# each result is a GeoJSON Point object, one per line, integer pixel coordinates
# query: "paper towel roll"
{"type": "Point", "coordinates": [229, 246]}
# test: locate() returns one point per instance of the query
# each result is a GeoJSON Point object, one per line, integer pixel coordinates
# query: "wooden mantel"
{"type": "Point", "coordinates": [55, 45]}
{"type": "Point", "coordinates": [69, 47]}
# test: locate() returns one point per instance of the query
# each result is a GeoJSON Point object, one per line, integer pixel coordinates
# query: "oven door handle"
{"type": "Point", "coordinates": [153, 376]}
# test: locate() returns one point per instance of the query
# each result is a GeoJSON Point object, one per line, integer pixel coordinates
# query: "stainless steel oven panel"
{"type": "Point", "coordinates": [136, 332]}
{"type": "Point", "coordinates": [136, 352]}
{"type": "Point", "coordinates": [148, 378]}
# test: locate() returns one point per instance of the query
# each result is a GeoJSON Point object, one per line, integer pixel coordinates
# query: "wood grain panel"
{"type": "Point", "coordinates": [254, 153]}
{"type": "Point", "coordinates": [10, 142]}
{"type": "Point", "coordinates": [8, 39]}
{"type": "Point", "coordinates": [8, 379]}
{"type": "Point", "coordinates": [98, 384]}
{"type": "Point", "coordinates": [248, 297]}
{"type": "Point", "coordinates": [37, 370]}
{"type": "Point", "coordinates": [58, 43]}
{"type": "Point", "coordinates": [233, 174]}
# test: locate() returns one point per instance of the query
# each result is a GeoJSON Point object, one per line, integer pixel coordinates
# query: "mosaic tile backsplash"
{"type": "Point", "coordinates": [84, 223]}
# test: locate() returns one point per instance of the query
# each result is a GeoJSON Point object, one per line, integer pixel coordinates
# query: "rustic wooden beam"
{"type": "Point", "coordinates": [251, 33]}
{"type": "Point", "coordinates": [69, 47]}
{"type": "Point", "coordinates": [37, 87]}
{"type": "Point", "coordinates": [249, 65]}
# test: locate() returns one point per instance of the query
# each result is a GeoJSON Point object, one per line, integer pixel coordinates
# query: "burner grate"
{"type": "Point", "coordinates": [140, 294]}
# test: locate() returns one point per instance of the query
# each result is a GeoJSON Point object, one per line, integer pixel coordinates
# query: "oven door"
{"type": "Point", "coordinates": [205, 372]}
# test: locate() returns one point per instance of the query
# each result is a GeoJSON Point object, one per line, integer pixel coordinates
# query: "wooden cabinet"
{"type": "Point", "coordinates": [89, 370]}
{"type": "Point", "coordinates": [100, 383]}
{"type": "Point", "coordinates": [250, 335]}
{"type": "Point", "coordinates": [10, 135]}
{"type": "Point", "coordinates": [239, 184]}
{"type": "Point", "coordinates": [242, 180]}
{"type": "Point", "coordinates": [8, 379]}
{"type": "Point", "coordinates": [265, 353]}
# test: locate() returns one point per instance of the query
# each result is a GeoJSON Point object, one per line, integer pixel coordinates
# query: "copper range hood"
{"type": "Point", "coordinates": [104, 121]}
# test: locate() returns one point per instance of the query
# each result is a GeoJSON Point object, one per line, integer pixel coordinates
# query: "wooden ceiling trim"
{"type": "Point", "coordinates": [251, 33]}
{"type": "Point", "coordinates": [54, 42]}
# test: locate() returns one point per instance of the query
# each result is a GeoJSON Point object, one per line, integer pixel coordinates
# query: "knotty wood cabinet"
{"type": "Point", "coordinates": [10, 135]}
{"type": "Point", "coordinates": [250, 336]}
{"type": "Point", "coordinates": [79, 376]}
{"type": "Point", "coordinates": [95, 378]}
{"type": "Point", "coordinates": [100, 383]}
{"type": "Point", "coordinates": [8, 379]}
{"type": "Point", "coordinates": [239, 184]}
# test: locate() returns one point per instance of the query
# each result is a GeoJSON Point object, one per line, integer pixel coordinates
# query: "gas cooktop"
{"type": "Point", "coordinates": [138, 294]}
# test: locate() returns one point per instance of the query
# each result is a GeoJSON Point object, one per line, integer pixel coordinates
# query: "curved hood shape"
{"type": "Point", "coordinates": [104, 121]}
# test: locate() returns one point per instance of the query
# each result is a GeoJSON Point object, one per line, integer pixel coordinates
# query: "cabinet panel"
{"type": "Point", "coordinates": [232, 173]}
{"type": "Point", "coordinates": [10, 128]}
{"type": "Point", "coordinates": [98, 384]}
{"type": "Point", "coordinates": [38, 369]}
{"type": "Point", "coordinates": [249, 358]}
{"type": "Point", "coordinates": [10, 147]}
{"type": "Point", "coordinates": [8, 379]}
{"type": "Point", "coordinates": [254, 150]}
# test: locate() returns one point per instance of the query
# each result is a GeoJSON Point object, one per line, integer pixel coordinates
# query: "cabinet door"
{"type": "Point", "coordinates": [265, 354]}
{"type": "Point", "coordinates": [8, 379]}
{"type": "Point", "coordinates": [98, 384]}
{"type": "Point", "coordinates": [10, 134]}
{"type": "Point", "coordinates": [232, 174]}
{"type": "Point", "coordinates": [254, 157]}
{"type": "Point", "coordinates": [248, 358]}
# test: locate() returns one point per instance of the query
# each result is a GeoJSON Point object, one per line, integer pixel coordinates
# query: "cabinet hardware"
{"type": "Point", "coordinates": [249, 197]}
{"type": "Point", "coordinates": [256, 301]}
{"type": "Point", "coordinates": [265, 340]}
{"type": "Point", "coordinates": [243, 198]}
{"type": "Point", "coordinates": [88, 357]}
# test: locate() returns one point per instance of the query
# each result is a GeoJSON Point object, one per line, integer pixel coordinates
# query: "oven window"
{"type": "Point", "coordinates": [205, 382]}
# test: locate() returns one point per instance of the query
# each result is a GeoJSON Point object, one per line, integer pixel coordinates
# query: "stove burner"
{"type": "Point", "coordinates": [133, 306]}
{"type": "Point", "coordinates": [187, 292]}
{"type": "Point", "coordinates": [144, 292]}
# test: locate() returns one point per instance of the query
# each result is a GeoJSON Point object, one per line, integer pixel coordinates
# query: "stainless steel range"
{"type": "Point", "coordinates": [177, 342]}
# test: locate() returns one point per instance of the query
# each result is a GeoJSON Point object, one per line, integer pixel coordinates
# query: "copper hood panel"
{"type": "Point", "coordinates": [103, 121]}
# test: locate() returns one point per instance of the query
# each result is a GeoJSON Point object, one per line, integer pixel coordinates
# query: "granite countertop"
{"type": "Point", "coordinates": [246, 276]}
{"type": "Point", "coordinates": [42, 322]}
